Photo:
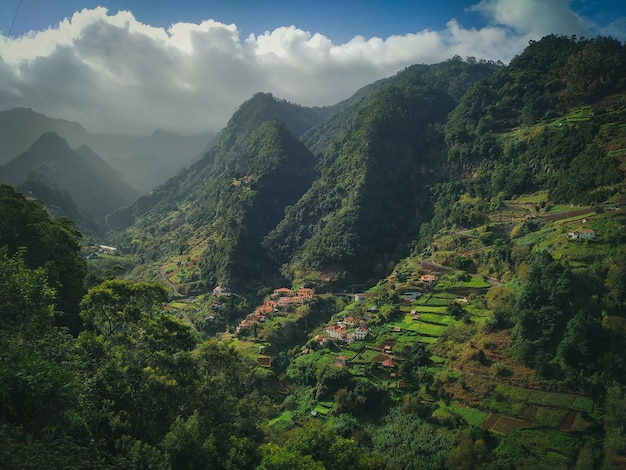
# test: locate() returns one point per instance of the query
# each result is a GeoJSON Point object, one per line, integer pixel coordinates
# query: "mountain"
{"type": "Point", "coordinates": [20, 127]}
{"type": "Point", "coordinates": [378, 157]}
{"type": "Point", "coordinates": [96, 188]}
{"type": "Point", "coordinates": [56, 201]}
{"type": "Point", "coordinates": [483, 210]}
{"type": "Point", "coordinates": [215, 213]}
{"type": "Point", "coordinates": [550, 120]}
{"type": "Point", "coordinates": [373, 162]}
{"type": "Point", "coordinates": [145, 161]}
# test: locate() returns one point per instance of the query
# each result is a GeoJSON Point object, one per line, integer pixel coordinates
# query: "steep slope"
{"type": "Point", "coordinates": [550, 120]}
{"type": "Point", "coordinates": [57, 202]}
{"type": "Point", "coordinates": [378, 156]}
{"type": "Point", "coordinates": [216, 212]}
{"type": "Point", "coordinates": [90, 181]}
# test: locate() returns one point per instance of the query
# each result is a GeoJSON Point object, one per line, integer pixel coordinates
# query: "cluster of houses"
{"type": "Point", "coordinates": [348, 330]}
{"type": "Point", "coordinates": [280, 298]}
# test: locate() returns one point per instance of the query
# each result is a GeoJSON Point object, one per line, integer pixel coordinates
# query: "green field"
{"type": "Point", "coordinates": [428, 329]}
{"type": "Point", "coordinates": [472, 416]}
{"type": "Point", "coordinates": [436, 318]}
{"type": "Point", "coordinates": [425, 308]}
{"type": "Point", "coordinates": [281, 422]}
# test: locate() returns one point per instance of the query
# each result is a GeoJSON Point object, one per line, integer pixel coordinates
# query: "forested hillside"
{"type": "Point", "coordinates": [431, 274]}
{"type": "Point", "coordinates": [217, 211]}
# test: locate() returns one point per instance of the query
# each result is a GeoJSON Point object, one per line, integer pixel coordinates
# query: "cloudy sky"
{"type": "Point", "coordinates": [133, 66]}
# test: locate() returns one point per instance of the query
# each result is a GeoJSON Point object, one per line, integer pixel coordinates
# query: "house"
{"type": "Point", "coordinates": [267, 307]}
{"type": "Point", "coordinates": [336, 332]}
{"type": "Point", "coordinates": [342, 361]}
{"type": "Point", "coordinates": [219, 291]}
{"type": "Point", "coordinates": [349, 321]}
{"type": "Point", "coordinates": [358, 297]}
{"type": "Point", "coordinates": [411, 296]}
{"type": "Point", "coordinates": [388, 363]}
{"type": "Point", "coordinates": [360, 332]}
{"type": "Point", "coordinates": [285, 301]}
{"type": "Point", "coordinates": [282, 292]}
{"type": "Point", "coordinates": [397, 329]}
{"type": "Point", "coordinates": [109, 250]}
{"type": "Point", "coordinates": [587, 234]}
{"type": "Point", "coordinates": [305, 293]}
{"type": "Point", "coordinates": [428, 278]}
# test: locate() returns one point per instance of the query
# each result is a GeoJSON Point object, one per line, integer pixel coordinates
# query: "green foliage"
{"type": "Point", "coordinates": [51, 244]}
{"type": "Point", "coordinates": [405, 441]}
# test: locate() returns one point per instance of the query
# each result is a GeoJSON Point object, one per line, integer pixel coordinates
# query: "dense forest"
{"type": "Point", "coordinates": [452, 242]}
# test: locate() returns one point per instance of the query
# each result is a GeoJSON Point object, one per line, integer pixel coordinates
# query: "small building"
{"type": "Point", "coordinates": [388, 363]}
{"type": "Point", "coordinates": [306, 293]}
{"type": "Point", "coordinates": [336, 332]}
{"type": "Point", "coordinates": [342, 361]}
{"type": "Point", "coordinates": [285, 301]}
{"type": "Point", "coordinates": [428, 278]}
{"type": "Point", "coordinates": [282, 292]}
{"type": "Point", "coordinates": [360, 332]}
{"type": "Point", "coordinates": [221, 291]}
{"type": "Point", "coordinates": [109, 250]}
{"type": "Point", "coordinates": [587, 234]}
{"type": "Point", "coordinates": [411, 296]}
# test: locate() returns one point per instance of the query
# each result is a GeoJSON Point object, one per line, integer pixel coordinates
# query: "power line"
{"type": "Point", "coordinates": [14, 16]}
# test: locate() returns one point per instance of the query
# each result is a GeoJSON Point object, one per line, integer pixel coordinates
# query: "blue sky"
{"type": "Point", "coordinates": [187, 65]}
{"type": "Point", "coordinates": [339, 20]}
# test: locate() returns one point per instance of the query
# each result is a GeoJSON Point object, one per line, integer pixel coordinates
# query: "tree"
{"type": "Point", "coordinates": [406, 442]}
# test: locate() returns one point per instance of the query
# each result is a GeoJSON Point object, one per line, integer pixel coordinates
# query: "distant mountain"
{"type": "Point", "coordinates": [145, 161]}
{"type": "Point", "coordinates": [20, 127]}
{"type": "Point", "coordinates": [96, 188]}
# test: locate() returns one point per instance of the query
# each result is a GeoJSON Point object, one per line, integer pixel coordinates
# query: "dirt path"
{"type": "Point", "coordinates": [168, 283]}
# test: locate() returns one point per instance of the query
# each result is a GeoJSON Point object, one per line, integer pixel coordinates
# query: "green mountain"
{"type": "Point", "coordinates": [96, 188]}
{"type": "Point", "coordinates": [218, 210]}
{"type": "Point", "coordinates": [378, 156]}
{"type": "Point", "coordinates": [550, 120]}
{"type": "Point", "coordinates": [375, 155]}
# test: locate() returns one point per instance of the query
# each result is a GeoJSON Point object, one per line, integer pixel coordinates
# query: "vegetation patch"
{"type": "Point", "coordinates": [281, 422]}
{"type": "Point", "coordinates": [582, 404]}
{"type": "Point", "coordinates": [472, 416]}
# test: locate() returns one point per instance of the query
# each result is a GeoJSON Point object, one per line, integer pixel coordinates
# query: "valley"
{"type": "Point", "coordinates": [429, 274]}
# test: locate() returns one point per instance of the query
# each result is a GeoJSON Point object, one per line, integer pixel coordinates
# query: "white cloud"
{"type": "Point", "coordinates": [534, 17]}
{"type": "Point", "coordinates": [113, 73]}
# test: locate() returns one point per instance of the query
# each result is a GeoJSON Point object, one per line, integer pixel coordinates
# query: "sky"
{"type": "Point", "coordinates": [134, 66]}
